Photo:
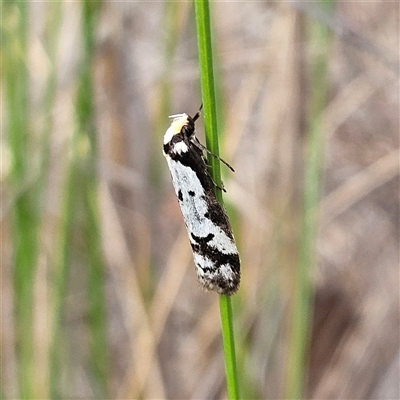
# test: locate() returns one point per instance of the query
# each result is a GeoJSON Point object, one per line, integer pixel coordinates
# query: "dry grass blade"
{"type": "Point", "coordinates": [360, 185]}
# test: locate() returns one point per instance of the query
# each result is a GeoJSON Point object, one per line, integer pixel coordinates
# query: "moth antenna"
{"type": "Point", "coordinates": [197, 143]}
{"type": "Point", "coordinates": [197, 115]}
{"type": "Point", "coordinates": [202, 147]}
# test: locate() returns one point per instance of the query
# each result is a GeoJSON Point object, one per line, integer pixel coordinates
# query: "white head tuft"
{"type": "Point", "coordinates": [178, 122]}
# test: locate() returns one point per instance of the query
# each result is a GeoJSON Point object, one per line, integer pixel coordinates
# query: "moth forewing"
{"type": "Point", "coordinates": [214, 249]}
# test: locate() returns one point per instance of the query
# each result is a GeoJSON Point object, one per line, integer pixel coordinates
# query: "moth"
{"type": "Point", "coordinates": [215, 253]}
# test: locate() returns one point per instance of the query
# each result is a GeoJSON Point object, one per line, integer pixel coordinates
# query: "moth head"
{"type": "Point", "coordinates": [182, 124]}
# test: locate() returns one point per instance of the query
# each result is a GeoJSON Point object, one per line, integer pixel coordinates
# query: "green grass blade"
{"type": "Point", "coordinates": [25, 210]}
{"type": "Point", "coordinates": [171, 25]}
{"type": "Point", "coordinates": [86, 133]}
{"type": "Point", "coordinates": [208, 87]}
{"type": "Point", "coordinates": [81, 194]}
{"type": "Point", "coordinates": [303, 290]}
{"type": "Point", "coordinates": [210, 121]}
{"type": "Point", "coordinates": [225, 308]}
{"type": "Point", "coordinates": [29, 148]}
{"type": "Point", "coordinates": [61, 282]}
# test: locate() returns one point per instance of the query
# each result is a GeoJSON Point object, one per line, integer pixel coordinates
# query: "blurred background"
{"type": "Point", "coordinates": [99, 297]}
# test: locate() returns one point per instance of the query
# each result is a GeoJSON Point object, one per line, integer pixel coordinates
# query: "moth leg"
{"type": "Point", "coordinates": [222, 187]}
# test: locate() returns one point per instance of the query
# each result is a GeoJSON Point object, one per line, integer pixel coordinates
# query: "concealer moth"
{"type": "Point", "coordinates": [214, 249]}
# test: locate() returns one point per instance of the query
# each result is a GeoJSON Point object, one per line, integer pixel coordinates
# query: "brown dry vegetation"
{"type": "Point", "coordinates": [162, 331]}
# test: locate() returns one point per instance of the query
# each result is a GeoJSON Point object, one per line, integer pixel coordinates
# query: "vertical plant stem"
{"type": "Point", "coordinates": [86, 133]}
{"type": "Point", "coordinates": [25, 157]}
{"type": "Point", "coordinates": [23, 174]}
{"type": "Point", "coordinates": [228, 338]}
{"type": "Point", "coordinates": [61, 282]}
{"type": "Point", "coordinates": [207, 87]}
{"type": "Point", "coordinates": [96, 289]}
{"type": "Point", "coordinates": [81, 194]}
{"type": "Point", "coordinates": [303, 290]}
{"type": "Point", "coordinates": [172, 28]}
{"type": "Point", "coordinates": [210, 121]}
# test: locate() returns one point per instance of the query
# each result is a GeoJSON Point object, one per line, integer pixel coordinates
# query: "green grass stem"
{"type": "Point", "coordinates": [208, 87]}
{"type": "Point", "coordinates": [204, 41]}
{"type": "Point", "coordinates": [61, 282]}
{"type": "Point", "coordinates": [81, 195]}
{"type": "Point", "coordinates": [87, 133]}
{"type": "Point", "coordinates": [319, 38]}
{"type": "Point", "coordinates": [25, 211]}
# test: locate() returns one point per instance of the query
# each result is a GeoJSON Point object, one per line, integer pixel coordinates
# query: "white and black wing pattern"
{"type": "Point", "coordinates": [214, 249]}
